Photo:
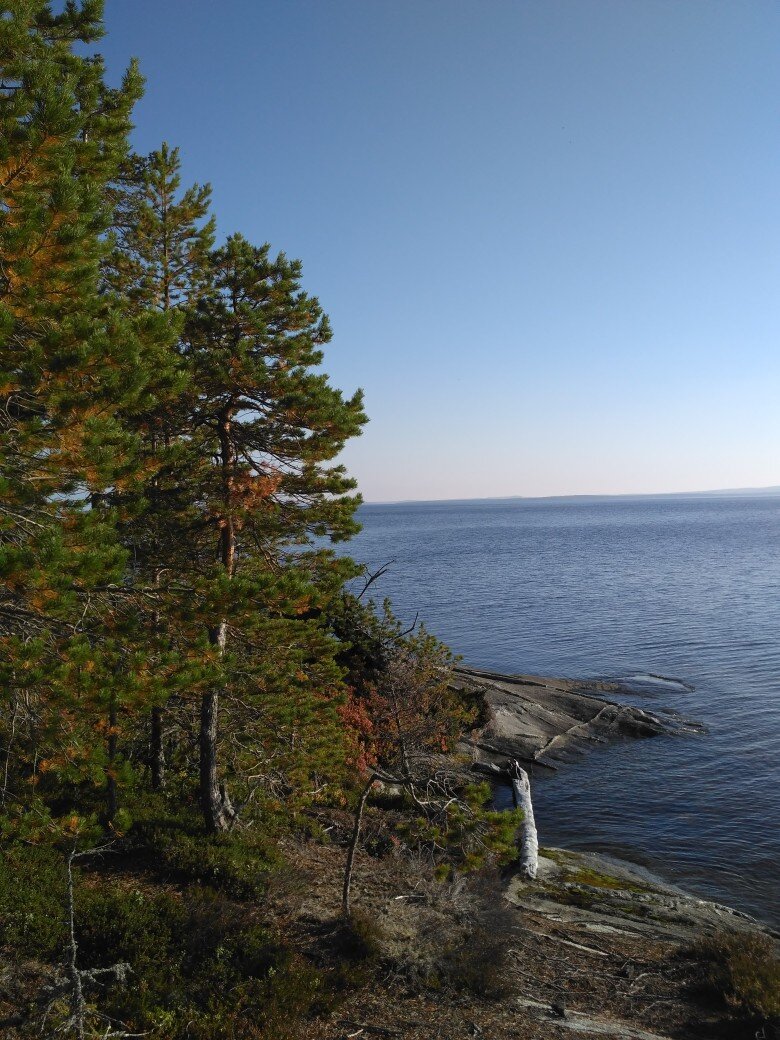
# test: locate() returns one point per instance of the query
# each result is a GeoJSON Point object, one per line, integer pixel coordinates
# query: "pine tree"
{"type": "Point", "coordinates": [162, 236]}
{"type": "Point", "coordinates": [166, 462]}
{"type": "Point", "coordinates": [161, 241]}
{"type": "Point", "coordinates": [265, 426]}
{"type": "Point", "coordinates": [72, 365]}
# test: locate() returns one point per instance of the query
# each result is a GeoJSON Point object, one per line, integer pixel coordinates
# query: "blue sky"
{"type": "Point", "coordinates": [547, 233]}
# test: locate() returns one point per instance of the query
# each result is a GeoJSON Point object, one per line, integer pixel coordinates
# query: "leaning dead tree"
{"type": "Point", "coordinates": [433, 795]}
{"type": "Point", "coordinates": [528, 840]}
{"type": "Point", "coordinates": [346, 906]}
{"type": "Point", "coordinates": [454, 827]}
{"type": "Point", "coordinates": [77, 979]}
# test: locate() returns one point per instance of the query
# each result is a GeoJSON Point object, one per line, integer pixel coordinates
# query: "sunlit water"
{"type": "Point", "coordinates": [683, 588]}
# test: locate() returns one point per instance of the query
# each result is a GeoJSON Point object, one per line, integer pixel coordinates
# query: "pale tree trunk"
{"type": "Point", "coordinates": [529, 842]}
{"type": "Point", "coordinates": [218, 813]}
{"type": "Point", "coordinates": [210, 796]}
{"type": "Point", "coordinates": [361, 805]}
{"type": "Point", "coordinates": [77, 1003]}
{"type": "Point", "coordinates": [76, 978]}
{"type": "Point", "coordinates": [157, 752]}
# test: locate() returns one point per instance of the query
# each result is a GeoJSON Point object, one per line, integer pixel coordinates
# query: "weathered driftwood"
{"type": "Point", "coordinates": [491, 769]}
{"type": "Point", "coordinates": [529, 842]}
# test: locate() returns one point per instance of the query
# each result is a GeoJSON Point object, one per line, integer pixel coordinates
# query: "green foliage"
{"type": "Point", "coordinates": [32, 901]}
{"type": "Point", "coordinates": [73, 364]}
{"type": "Point", "coordinates": [166, 460]}
{"type": "Point", "coordinates": [237, 865]}
{"type": "Point", "coordinates": [202, 964]}
{"type": "Point", "coordinates": [199, 961]}
{"type": "Point", "coordinates": [743, 971]}
{"type": "Point", "coordinates": [466, 835]}
{"type": "Point", "coordinates": [161, 236]}
{"type": "Point", "coordinates": [371, 638]}
{"type": "Point", "coordinates": [402, 706]}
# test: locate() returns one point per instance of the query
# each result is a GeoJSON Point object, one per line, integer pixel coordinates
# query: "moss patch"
{"type": "Point", "coordinates": [572, 872]}
{"type": "Point", "coordinates": [594, 879]}
{"type": "Point", "coordinates": [559, 856]}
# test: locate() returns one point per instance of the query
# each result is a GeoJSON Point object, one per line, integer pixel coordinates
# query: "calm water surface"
{"type": "Point", "coordinates": [687, 588]}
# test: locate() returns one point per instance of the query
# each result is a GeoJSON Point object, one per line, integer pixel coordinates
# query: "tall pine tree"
{"type": "Point", "coordinates": [265, 425]}
{"type": "Point", "coordinates": [162, 235]}
{"type": "Point", "coordinates": [72, 364]}
{"type": "Point", "coordinates": [159, 261]}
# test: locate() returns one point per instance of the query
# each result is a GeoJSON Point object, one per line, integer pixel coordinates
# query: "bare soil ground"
{"type": "Point", "coordinates": [579, 952]}
{"type": "Point", "coordinates": [591, 948]}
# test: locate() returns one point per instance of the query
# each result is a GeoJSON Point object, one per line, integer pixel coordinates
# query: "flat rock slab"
{"type": "Point", "coordinates": [538, 720]}
{"type": "Point", "coordinates": [592, 894]}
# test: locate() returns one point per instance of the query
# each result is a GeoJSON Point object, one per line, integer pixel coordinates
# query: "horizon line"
{"type": "Point", "coordinates": [771, 489]}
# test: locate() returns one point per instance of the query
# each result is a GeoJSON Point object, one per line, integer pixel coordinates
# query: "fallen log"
{"type": "Point", "coordinates": [529, 842]}
{"type": "Point", "coordinates": [501, 773]}
{"type": "Point", "coordinates": [491, 769]}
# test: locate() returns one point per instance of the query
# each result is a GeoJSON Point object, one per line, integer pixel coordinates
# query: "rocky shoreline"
{"type": "Point", "coordinates": [591, 903]}
{"type": "Point", "coordinates": [543, 721]}
{"type": "Point", "coordinates": [592, 947]}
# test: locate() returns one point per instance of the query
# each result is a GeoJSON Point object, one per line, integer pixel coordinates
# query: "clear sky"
{"type": "Point", "coordinates": [547, 232]}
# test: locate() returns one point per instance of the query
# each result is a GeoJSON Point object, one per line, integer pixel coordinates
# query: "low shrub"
{"type": "Point", "coordinates": [358, 938]}
{"type": "Point", "coordinates": [239, 866]}
{"type": "Point", "coordinates": [202, 966]}
{"type": "Point", "coordinates": [32, 901]}
{"type": "Point", "coordinates": [742, 971]}
{"type": "Point", "coordinates": [477, 966]}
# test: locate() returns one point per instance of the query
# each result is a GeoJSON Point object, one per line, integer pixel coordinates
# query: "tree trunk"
{"type": "Point", "coordinates": [157, 752]}
{"type": "Point", "coordinates": [77, 1002]}
{"type": "Point", "coordinates": [345, 903]}
{"type": "Point", "coordinates": [529, 842]}
{"type": "Point", "coordinates": [156, 749]}
{"type": "Point", "coordinates": [111, 789]}
{"type": "Point", "coordinates": [8, 747]}
{"type": "Point", "coordinates": [218, 813]}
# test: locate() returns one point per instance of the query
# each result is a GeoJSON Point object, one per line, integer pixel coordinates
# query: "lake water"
{"type": "Point", "coordinates": [684, 588]}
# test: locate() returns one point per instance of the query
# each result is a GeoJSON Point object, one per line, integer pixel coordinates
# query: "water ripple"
{"type": "Point", "coordinates": [687, 588]}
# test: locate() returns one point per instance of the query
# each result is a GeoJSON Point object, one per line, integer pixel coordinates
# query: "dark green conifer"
{"type": "Point", "coordinates": [265, 427]}
{"type": "Point", "coordinates": [162, 236]}
{"type": "Point", "coordinates": [72, 364]}
{"type": "Point", "coordinates": [159, 261]}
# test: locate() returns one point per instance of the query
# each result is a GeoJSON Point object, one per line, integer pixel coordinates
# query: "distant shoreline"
{"type": "Point", "coordinates": [767, 492]}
